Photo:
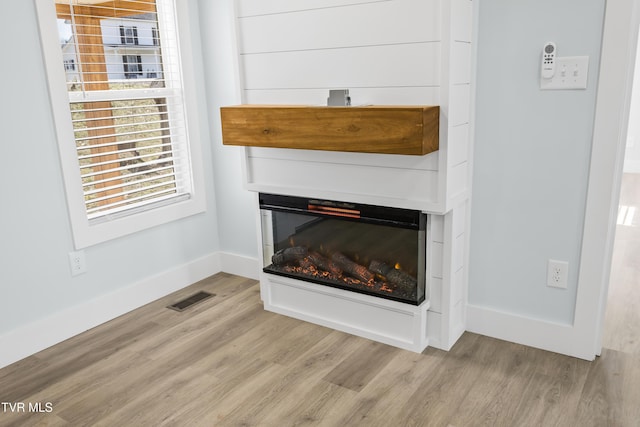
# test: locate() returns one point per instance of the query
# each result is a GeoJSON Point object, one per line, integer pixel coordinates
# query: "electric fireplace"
{"type": "Point", "coordinates": [374, 250]}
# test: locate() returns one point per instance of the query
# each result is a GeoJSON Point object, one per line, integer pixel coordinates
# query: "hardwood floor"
{"type": "Point", "coordinates": [227, 362]}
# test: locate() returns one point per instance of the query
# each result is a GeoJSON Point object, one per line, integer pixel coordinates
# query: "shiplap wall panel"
{"type": "Point", "coordinates": [462, 25]}
{"type": "Point", "coordinates": [371, 66]}
{"type": "Point", "coordinates": [359, 96]}
{"type": "Point", "coordinates": [457, 180]}
{"type": "Point", "coordinates": [435, 294]}
{"type": "Point", "coordinates": [434, 327]}
{"type": "Point", "coordinates": [457, 286]}
{"type": "Point", "coordinates": [264, 7]}
{"type": "Point", "coordinates": [458, 143]}
{"type": "Point", "coordinates": [428, 162]}
{"type": "Point", "coordinates": [461, 63]}
{"type": "Point", "coordinates": [459, 105]}
{"type": "Point", "coordinates": [437, 256]}
{"type": "Point", "coordinates": [458, 253]}
{"type": "Point", "coordinates": [437, 228]}
{"type": "Point", "coordinates": [457, 322]}
{"type": "Point", "coordinates": [435, 247]}
{"type": "Point", "coordinates": [398, 22]}
{"type": "Point", "coordinates": [399, 187]}
{"type": "Point", "coordinates": [459, 220]}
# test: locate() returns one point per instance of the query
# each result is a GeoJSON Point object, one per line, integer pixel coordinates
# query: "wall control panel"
{"type": "Point", "coordinates": [548, 60]}
{"type": "Point", "coordinates": [562, 72]}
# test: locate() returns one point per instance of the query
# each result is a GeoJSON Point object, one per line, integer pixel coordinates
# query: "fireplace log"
{"type": "Point", "coordinates": [351, 268]}
{"type": "Point", "coordinates": [289, 255]}
{"type": "Point", "coordinates": [324, 263]}
{"type": "Point", "coordinates": [396, 277]}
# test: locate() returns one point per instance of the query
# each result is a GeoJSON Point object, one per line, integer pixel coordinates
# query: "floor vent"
{"type": "Point", "coordinates": [190, 301]}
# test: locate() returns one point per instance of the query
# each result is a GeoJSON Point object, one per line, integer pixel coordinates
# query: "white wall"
{"type": "Point", "coordinates": [35, 280]}
{"type": "Point", "coordinates": [236, 208]}
{"type": "Point", "coordinates": [532, 152]}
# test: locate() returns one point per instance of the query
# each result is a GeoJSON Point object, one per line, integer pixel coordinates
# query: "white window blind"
{"type": "Point", "coordinates": [126, 102]}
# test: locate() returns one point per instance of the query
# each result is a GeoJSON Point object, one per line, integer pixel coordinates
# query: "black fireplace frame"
{"type": "Point", "coordinates": [354, 212]}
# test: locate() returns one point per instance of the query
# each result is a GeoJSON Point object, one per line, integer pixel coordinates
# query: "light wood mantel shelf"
{"type": "Point", "coordinates": [385, 129]}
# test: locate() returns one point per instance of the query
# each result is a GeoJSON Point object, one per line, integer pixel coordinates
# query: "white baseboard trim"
{"type": "Point", "coordinates": [240, 265]}
{"type": "Point", "coordinates": [545, 335]}
{"type": "Point", "coordinates": [36, 336]}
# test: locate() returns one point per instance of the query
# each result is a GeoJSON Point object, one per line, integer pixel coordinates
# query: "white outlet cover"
{"type": "Point", "coordinates": [77, 263]}
{"type": "Point", "coordinates": [557, 274]}
{"type": "Point", "coordinates": [572, 72]}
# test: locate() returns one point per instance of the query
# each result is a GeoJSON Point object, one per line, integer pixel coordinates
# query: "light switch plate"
{"type": "Point", "coordinates": [571, 73]}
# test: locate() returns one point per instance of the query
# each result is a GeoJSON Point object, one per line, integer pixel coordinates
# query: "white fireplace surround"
{"type": "Point", "coordinates": [390, 322]}
{"type": "Point", "coordinates": [438, 321]}
{"type": "Point", "coordinates": [410, 52]}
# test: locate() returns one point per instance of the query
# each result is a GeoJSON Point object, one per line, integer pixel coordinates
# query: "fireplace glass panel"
{"type": "Point", "coordinates": [368, 249]}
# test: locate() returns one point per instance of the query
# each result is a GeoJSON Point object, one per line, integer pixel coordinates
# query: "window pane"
{"type": "Point", "coordinates": [101, 47]}
{"type": "Point", "coordinates": [125, 152]}
{"type": "Point", "coordinates": [126, 144]}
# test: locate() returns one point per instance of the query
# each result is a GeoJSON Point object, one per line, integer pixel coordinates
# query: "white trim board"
{"type": "Point", "coordinates": [545, 335]}
{"type": "Point", "coordinates": [240, 265]}
{"type": "Point", "coordinates": [622, 18]}
{"type": "Point", "coordinates": [43, 333]}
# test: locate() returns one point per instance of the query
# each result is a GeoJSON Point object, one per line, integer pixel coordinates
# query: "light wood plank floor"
{"type": "Point", "coordinates": [227, 362]}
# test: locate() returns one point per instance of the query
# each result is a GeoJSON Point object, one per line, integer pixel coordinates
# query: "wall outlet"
{"type": "Point", "coordinates": [77, 263]}
{"type": "Point", "coordinates": [557, 274]}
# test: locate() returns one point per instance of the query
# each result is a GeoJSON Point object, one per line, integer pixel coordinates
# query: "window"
{"type": "Point", "coordinates": [155, 36]}
{"type": "Point", "coordinates": [132, 66]}
{"type": "Point", "coordinates": [127, 153]}
{"type": "Point", "coordinates": [128, 35]}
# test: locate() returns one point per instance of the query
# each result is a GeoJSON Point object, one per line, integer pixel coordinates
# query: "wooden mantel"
{"type": "Point", "coordinates": [409, 130]}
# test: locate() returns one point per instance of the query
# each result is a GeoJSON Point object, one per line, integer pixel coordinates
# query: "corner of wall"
{"type": "Point", "coordinates": [41, 334]}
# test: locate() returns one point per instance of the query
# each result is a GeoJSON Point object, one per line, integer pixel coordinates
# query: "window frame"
{"type": "Point", "coordinates": [85, 232]}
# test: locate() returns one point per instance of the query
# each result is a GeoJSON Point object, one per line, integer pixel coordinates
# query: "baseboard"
{"type": "Point", "coordinates": [545, 335]}
{"type": "Point", "coordinates": [34, 337]}
{"type": "Point", "coordinates": [240, 265]}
